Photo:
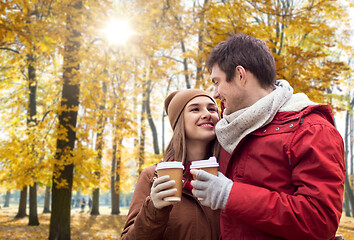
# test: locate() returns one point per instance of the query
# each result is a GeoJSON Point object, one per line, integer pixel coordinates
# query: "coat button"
{"type": "Point", "coordinates": [264, 130]}
{"type": "Point", "coordinates": [291, 125]}
{"type": "Point", "coordinates": [277, 129]}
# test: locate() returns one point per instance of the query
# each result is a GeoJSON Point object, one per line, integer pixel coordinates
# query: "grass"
{"type": "Point", "coordinates": [84, 226]}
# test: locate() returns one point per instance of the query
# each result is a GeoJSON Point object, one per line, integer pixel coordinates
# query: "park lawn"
{"type": "Point", "coordinates": [84, 226]}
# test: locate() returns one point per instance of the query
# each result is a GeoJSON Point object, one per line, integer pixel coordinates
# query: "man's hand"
{"type": "Point", "coordinates": [159, 191]}
{"type": "Point", "coordinates": [213, 190]}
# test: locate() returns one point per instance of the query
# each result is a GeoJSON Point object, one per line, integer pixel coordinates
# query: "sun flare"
{"type": "Point", "coordinates": [118, 31]}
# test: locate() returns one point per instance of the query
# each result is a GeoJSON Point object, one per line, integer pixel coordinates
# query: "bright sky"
{"type": "Point", "coordinates": [118, 31]}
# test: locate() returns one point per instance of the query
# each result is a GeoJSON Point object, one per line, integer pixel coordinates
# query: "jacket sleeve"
{"type": "Point", "coordinates": [144, 221]}
{"type": "Point", "coordinates": [313, 211]}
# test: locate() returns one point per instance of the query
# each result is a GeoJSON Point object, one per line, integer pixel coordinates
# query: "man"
{"type": "Point", "coordinates": [282, 160]}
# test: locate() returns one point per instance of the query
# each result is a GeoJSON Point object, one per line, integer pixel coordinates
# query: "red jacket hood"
{"type": "Point", "coordinates": [324, 110]}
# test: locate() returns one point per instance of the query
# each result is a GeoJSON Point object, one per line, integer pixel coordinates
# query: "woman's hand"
{"type": "Point", "coordinates": [159, 191]}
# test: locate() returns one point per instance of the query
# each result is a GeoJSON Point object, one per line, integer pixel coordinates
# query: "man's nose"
{"type": "Point", "coordinates": [216, 94]}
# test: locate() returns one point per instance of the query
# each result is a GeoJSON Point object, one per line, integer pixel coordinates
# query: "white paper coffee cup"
{"type": "Point", "coordinates": [175, 171]}
{"type": "Point", "coordinates": [210, 165]}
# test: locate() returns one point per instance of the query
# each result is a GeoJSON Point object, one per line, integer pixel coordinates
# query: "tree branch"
{"type": "Point", "coordinates": [174, 59]}
{"type": "Point", "coordinates": [10, 49]}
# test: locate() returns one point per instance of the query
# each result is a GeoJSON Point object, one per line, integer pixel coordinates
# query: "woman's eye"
{"type": "Point", "coordinates": [194, 109]}
{"type": "Point", "coordinates": [212, 110]}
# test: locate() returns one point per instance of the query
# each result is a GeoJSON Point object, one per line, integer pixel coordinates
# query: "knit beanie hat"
{"type": "Point", "coordinates": [176, 101]}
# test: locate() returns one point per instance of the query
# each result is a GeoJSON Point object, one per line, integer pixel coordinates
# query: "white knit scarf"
{"type": "Point", "coordinates": [234, 127]}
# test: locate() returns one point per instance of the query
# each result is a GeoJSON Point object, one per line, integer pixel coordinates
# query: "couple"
{"type": "Point", "coordinates": [281, 158]}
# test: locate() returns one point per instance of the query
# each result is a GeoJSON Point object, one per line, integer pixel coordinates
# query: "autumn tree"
{"type": "Point", "coordinates": [104, 110]}
{"type": "Point", "coordinates": [301, 36]}
{"type": "Point", "coordinates": [123, 127]}
{"type": "Point", "coordinates": [54, 50]}
{"type": "Point", "coordinates": [348, 141]}
{"type": "Point", "coordinates": [10, 44]}
{"type": "Point", "coordinates": [63, 167]}
{"type": "Point", "coordinates": [22, 29]}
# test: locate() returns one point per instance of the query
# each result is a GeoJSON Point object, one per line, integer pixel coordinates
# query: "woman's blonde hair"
{"type": "Point", "coordinates": [176, 149]}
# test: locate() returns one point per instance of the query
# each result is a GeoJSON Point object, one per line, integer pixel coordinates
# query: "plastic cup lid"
{"type": "Point", "coordinates": [211, 162]}
{"type": "Point", "coordinates": [166, 165]}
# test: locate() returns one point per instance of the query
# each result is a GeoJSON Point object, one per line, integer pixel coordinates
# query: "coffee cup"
{"type": "Point", "coordinates": [175, 171]}
{"type": "Point", "coordinates": [210, 165]}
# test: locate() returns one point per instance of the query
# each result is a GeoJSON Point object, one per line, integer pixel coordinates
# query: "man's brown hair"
{"type": "Point", "coordinates": [246, 51]}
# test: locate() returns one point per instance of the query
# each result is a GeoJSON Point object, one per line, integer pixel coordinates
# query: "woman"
{"type": "Point", "coordinates": [193, 115]}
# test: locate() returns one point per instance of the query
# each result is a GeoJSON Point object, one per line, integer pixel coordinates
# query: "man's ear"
{"type": "Point", "coordinates": [241, 74]}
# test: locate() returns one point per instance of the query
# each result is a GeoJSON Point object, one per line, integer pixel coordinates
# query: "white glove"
{"type": "Point", "coordinates": [213, 190]}
{"type": "Point", "coordinates": [159, 191]}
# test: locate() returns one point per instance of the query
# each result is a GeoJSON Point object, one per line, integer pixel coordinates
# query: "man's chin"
{"type": "Point", "coordinates": [226, 111]}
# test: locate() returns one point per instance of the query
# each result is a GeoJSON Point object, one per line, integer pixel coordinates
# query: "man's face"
{"type": "Point", "coordinates": [231, 94]}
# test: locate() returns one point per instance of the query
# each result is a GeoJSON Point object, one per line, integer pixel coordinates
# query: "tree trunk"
{"type": "Point", "coordinates": [185, 66]}
{"type": "Point", "coordinates": [155, 138]}
{"type": "Point", "coordinates": [31, 122]}
{"type": "Point", "coordinates": [142, 134]}
{"type": "Point", "coordinates": [346, 203]}
{"type": "Point", "coordinates": [115, 178]}
{"type": "Point", "coordinates": [99, 149]}
{"type": "Point", "coordinates": [7, 199]}
{"type": "Point", "coordinates": [33, 217]}
{"type": "Point", "coordinates": [22, 204]}
{"type": "Point", "coordinates": [349, 195]}
{"type": "Point", "coordinates": [95, 202]}
{"type": "Point", "coordinates": [115, 206]}
{"type": "Point", "coordinates": [349, 198]}
{"type": "Point", "coordinates": [96, 193]}
{"type": "Point", "coordinates": [46, 208]}
{"type": "Point", "coordinates": [59, 228]}
{"type": "Point", "coordinates": [351, 141]}
{"type": "Point", "coordinates": [163, 130]}
{"type": "Point", "coordinates": [61, 199]}
{"type": "Point", "coordinates": [163, 118]}
{"type": "Point", "coordinates": [135, 108]}
{"type": "Point", "coordinates": [77, 198]}
{"type": "Point", "coordinates": [350, 160]}
{"type": "Point", "coordinates": [200, 59]}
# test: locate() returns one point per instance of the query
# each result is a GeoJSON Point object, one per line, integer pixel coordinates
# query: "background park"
{"type": "Point", "coordinates": [82, 84]}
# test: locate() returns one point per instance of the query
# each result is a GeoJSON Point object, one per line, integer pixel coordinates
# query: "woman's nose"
{"type": "Point", "coordinates": [206, 114]}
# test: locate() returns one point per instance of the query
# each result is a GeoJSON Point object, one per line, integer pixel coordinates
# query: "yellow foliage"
{"type": "Point", "coordinates": [168, 51]}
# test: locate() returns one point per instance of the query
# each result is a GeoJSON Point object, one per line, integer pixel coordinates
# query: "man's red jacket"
{"type": "Point", "coordinates": [288, 179]}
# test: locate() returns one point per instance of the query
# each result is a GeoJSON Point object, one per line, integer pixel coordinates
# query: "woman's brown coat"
{"type": "Point", "coordinates": [187, 219]}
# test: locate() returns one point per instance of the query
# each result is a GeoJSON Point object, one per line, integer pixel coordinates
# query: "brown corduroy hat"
{"type": "Point", "coordinates": [176, 101]}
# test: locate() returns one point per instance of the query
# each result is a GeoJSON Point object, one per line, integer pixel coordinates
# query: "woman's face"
{"type": "Point", "coordinates": [200, 117]}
